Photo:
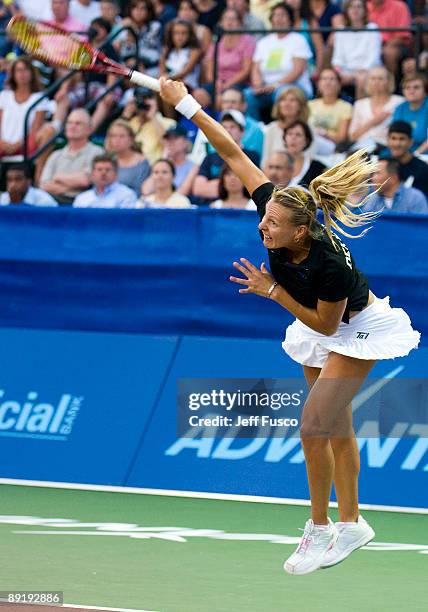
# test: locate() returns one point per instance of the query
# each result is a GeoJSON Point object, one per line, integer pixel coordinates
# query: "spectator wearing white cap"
{"type": "Point", "coordinates": [206, 183]}
{"type": "Point", "coordinates": [253, 136]}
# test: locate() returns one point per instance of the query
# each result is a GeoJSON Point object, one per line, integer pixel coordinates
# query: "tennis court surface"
{"type": "Point", "coordinates": [177, 554]}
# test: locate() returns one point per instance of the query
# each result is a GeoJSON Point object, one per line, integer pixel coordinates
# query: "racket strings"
{"type": "Point", "coordinates": [51, 45]}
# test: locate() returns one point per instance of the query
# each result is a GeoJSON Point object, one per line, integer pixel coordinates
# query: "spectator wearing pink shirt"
{"type": "Point", "coordinates": [234, 55]}
{"type": "Point", "coordinates": [392, 14]}
{"type": "Point", "coordinates": [63, 19]}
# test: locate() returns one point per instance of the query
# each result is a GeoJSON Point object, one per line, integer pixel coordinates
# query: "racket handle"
{"type": "Point", "coordinates": [143, 80]}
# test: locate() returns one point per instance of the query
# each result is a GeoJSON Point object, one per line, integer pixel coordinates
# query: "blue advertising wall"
{"type": "Point", "coordinates": [73, 406]}
{"type": "Point", "coordinates": [157, 271]}
{"type": "Point", "coordinates": [99, 406]}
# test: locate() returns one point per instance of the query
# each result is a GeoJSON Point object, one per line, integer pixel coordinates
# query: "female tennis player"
{"type": "Point", "coordinates": [341, 328]}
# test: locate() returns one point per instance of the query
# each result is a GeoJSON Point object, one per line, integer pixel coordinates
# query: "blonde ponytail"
{"type": "Point", "coordinates": [331, 190]}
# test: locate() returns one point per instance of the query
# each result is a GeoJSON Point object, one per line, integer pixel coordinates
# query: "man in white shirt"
{"type": "Point", "coordinates": [85, 10]}
{"type": "Point", "coordinates": [40, 10]}
{"type": "Point", "coordinates": [106, 191]}
{"type": "Point", "coordinates": [20, 191]}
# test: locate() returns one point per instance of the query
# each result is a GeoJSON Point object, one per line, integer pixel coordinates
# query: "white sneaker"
{"type": "Point", "coordinates": [310, 554]}
{"type": "Point", "coordinates": [351, 537]}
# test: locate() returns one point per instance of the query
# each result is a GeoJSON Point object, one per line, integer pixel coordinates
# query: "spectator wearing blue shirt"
{"type": "Point", "coordinates": [393, 196]}
{"type": "Point", "coordinates": [106, 191]}
{"type": "Point", "coordinates": [415, 110]}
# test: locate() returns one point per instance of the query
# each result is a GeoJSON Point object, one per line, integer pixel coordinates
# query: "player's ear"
{"type": "Point", "coordinates": [300, 234]}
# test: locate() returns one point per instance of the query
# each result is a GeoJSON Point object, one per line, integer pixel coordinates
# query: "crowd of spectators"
{"type": "Point", "coordinates": [295, 100]}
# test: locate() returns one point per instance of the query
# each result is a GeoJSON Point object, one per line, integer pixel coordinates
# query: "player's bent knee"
{"type": "Point", "coordinates": [312, 432]}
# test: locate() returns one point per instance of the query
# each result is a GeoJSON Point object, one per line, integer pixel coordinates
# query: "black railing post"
{"type": "Point", "coordinates": [418, 44]}
{"type": "Point", "coordinates": [217, 38]}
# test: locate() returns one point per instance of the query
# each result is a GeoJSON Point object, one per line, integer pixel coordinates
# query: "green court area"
{"type": "Point", "coordinates": [176, 554]}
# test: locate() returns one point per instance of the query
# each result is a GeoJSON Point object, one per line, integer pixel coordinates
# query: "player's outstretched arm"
{"type": "Point", "coordinates": [173, 92]}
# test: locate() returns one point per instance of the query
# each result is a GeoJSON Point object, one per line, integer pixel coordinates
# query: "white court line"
{"type": "Point", "coordinates": [104, 608]}
{"type": "Point", "coordinates": [197, 494]}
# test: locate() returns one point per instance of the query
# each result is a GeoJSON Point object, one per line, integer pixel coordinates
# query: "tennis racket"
{"type": "Point", "coordinates": [54, 45]}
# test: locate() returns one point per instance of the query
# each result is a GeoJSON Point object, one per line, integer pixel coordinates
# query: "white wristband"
{"type": "Point", "coordinates": [188, 106]}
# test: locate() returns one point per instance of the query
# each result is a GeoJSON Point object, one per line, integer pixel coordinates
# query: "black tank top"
{"type": "Point", "coordinates": [327, 273]}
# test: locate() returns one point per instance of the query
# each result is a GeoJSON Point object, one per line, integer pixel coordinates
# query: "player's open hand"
{"type": "Point", "coordinates": [256, 281]}
{"type": "Point", "coordinates": [172, 91]}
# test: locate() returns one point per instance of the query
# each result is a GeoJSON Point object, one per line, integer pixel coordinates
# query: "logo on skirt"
{"type": "Point", "coordinates": [362, 335]}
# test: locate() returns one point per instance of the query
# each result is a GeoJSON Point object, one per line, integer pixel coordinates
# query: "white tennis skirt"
{"type": "Point", "coordinates": [377, 332]}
